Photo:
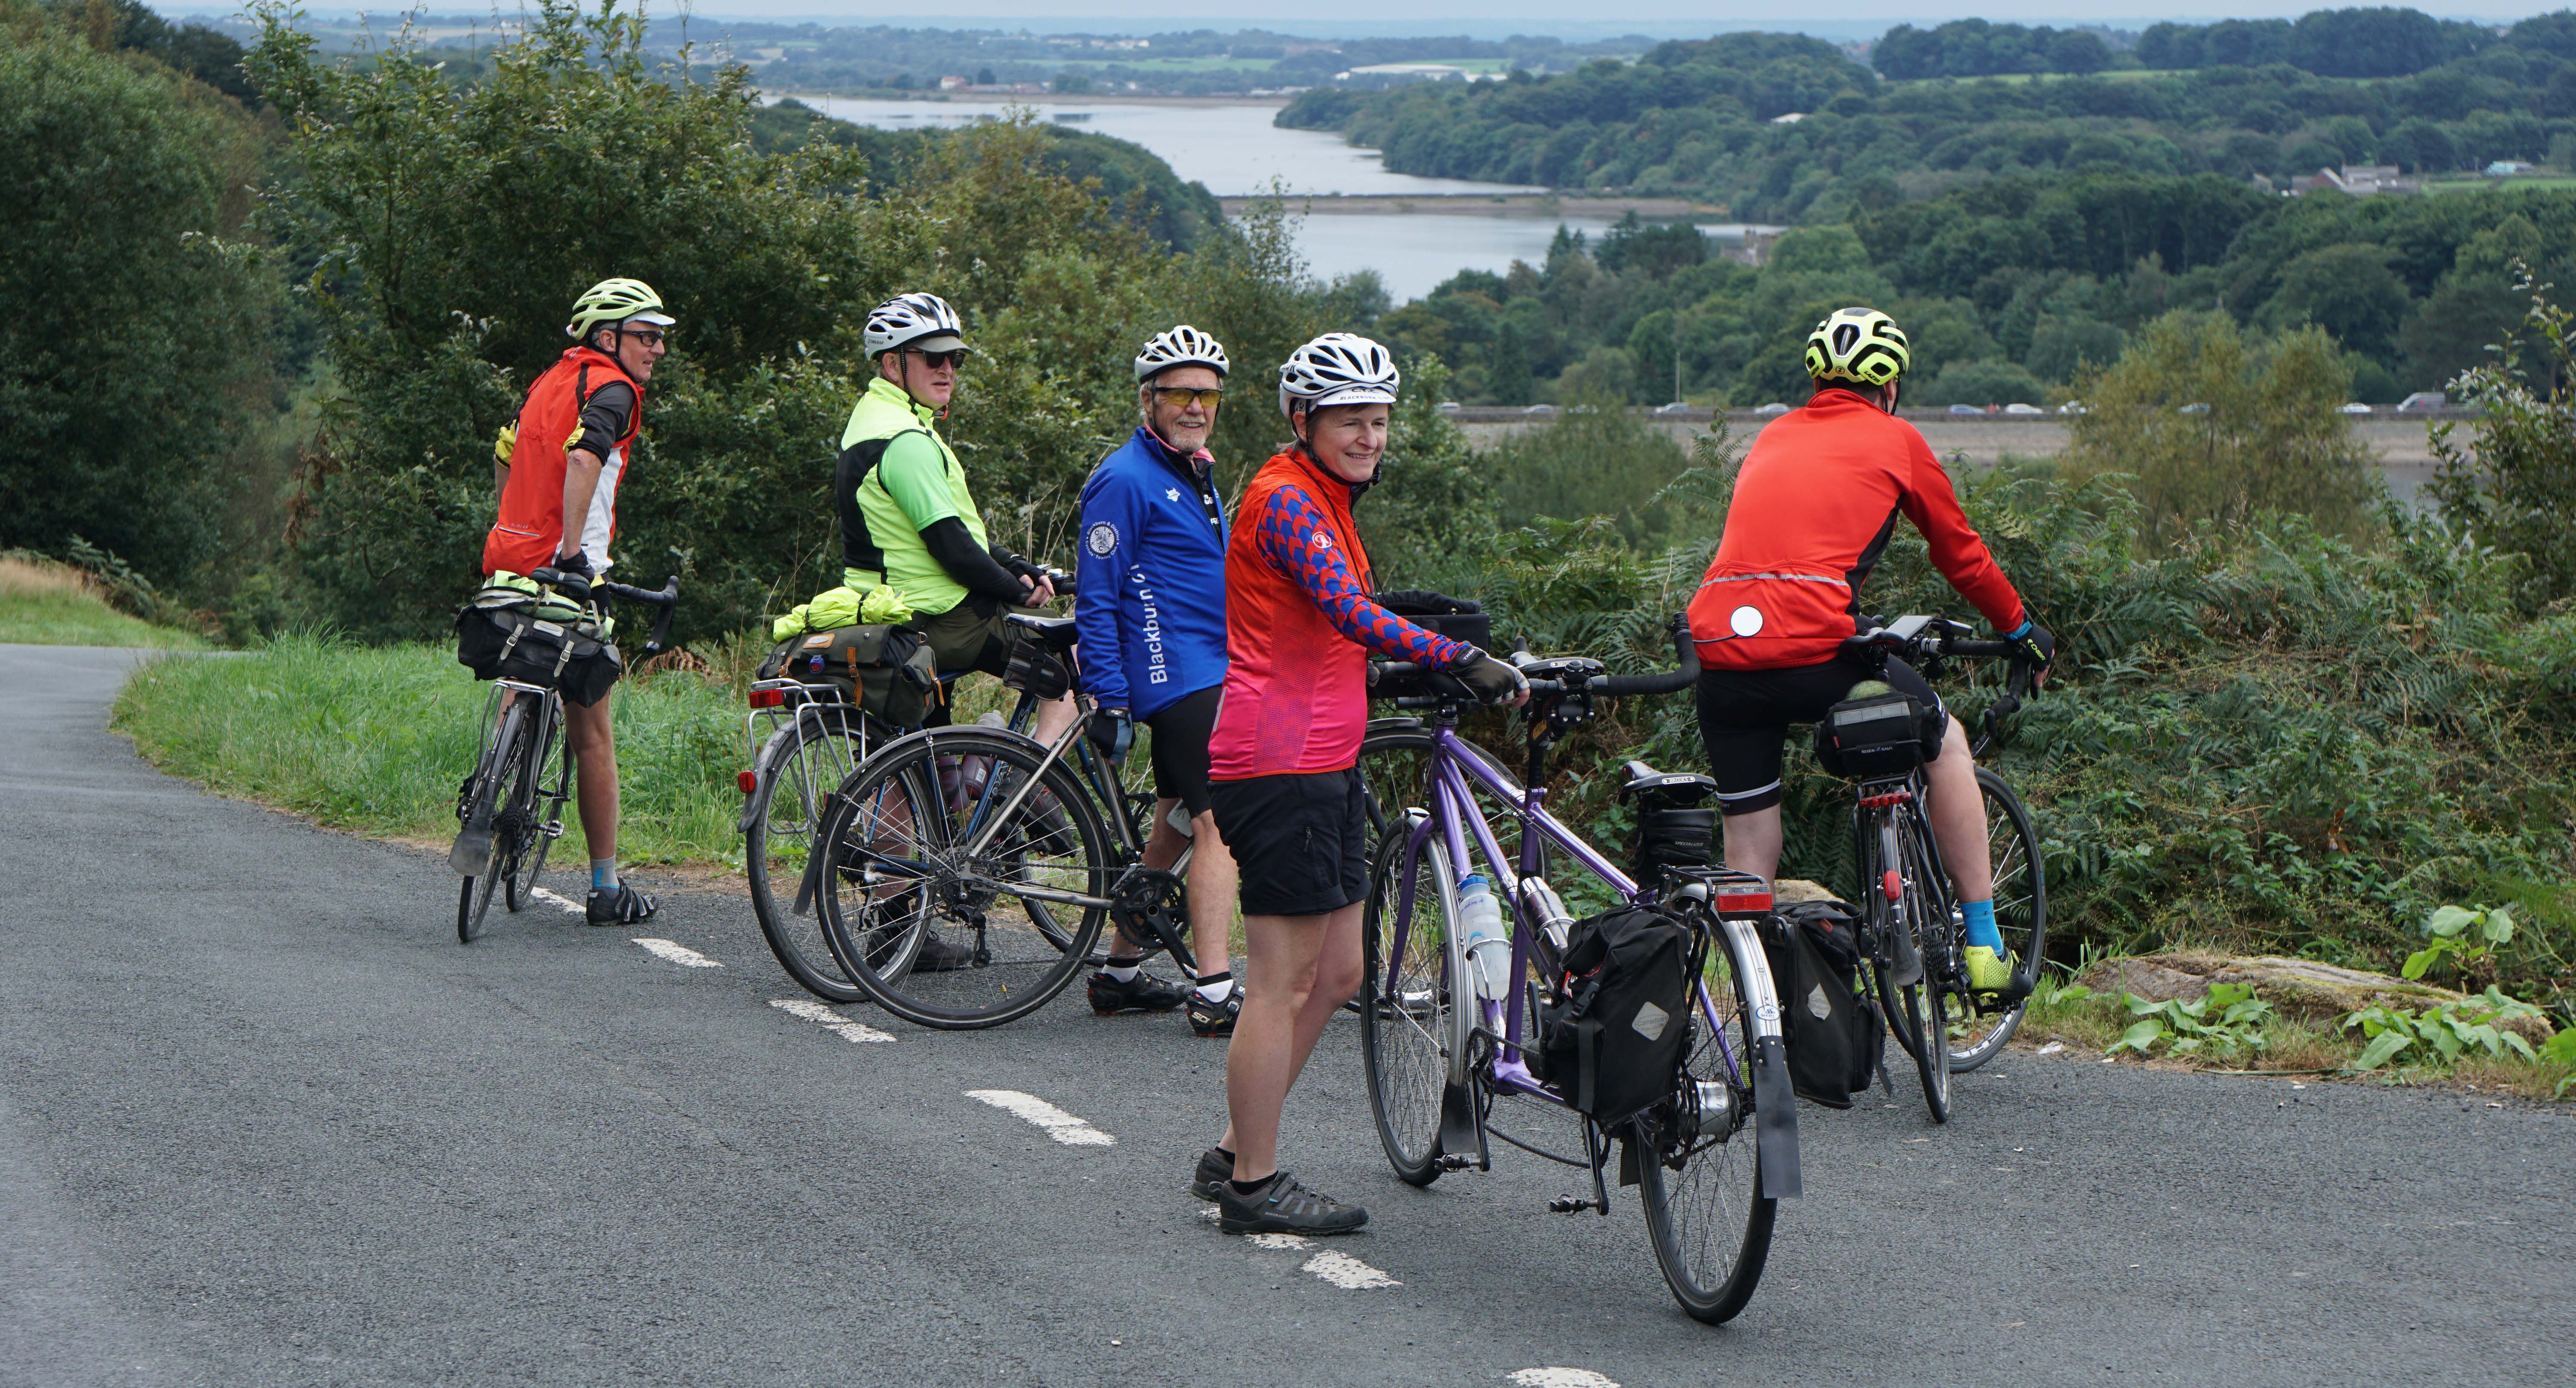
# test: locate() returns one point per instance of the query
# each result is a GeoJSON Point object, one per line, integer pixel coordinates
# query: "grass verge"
{"type": "Point", "coordinates": [43, 603]}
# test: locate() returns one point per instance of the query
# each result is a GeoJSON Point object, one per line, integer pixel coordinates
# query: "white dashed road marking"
{"type": "Point", "coordinates": [1561, 1378]}
{"type": "Point", "coordinates": [812, 1011]}
{"type": "Point", "coordinates": [1340, 1269]}
{"type": "Point", "coordinates": [1060, 1125]}
{"type": "Point", "coordinates": [678, 953]}
{"type": "Point", "coordinates": [567, 903]}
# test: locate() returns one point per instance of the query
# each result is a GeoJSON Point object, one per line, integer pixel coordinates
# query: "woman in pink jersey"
{"type": "Point", "coordinates": [1299, 628]}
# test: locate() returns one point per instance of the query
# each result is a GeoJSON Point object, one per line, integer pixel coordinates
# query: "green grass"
{"type": "Point", "coordinates": [375, 739]}
{"type": "Point", "coordinates": [46, 604]}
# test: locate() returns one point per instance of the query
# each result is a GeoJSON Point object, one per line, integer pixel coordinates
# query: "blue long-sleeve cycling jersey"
{"type": "Point", "coordinates": [1151, 577]}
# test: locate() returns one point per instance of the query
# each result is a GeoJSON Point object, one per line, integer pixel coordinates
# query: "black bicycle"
{"type": "Point", "coordinates": [509, 813]}
{"type": "Point", "coordinates": [1911, 928]}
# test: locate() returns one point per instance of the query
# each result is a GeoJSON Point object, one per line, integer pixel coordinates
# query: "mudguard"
{"type": "Point", "coordinates": [1775, 1106]}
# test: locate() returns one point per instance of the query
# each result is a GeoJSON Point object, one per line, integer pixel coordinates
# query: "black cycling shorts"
{"type": "Point", "coordinates": [1182, 729]}
{"type": "Point", "coordinates": [1744, 717]}
{"type": "Point", "coordinates": [1301, 843]}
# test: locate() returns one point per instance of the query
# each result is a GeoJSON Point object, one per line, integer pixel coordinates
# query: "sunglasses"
{"type": "Point", "coordinates": [651, 337]}
{"type": "Point", "coordinates": [936, 360]}
{"type": "Point", "coordinates": [1181, 398]}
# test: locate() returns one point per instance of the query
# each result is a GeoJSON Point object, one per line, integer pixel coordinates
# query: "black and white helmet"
{"type": "Point", "coordinates": [1182, 346]}
{"type": "Point", "coordinates": [922, 321]}
{"type": "Point", "coordinates": [1337, 369]}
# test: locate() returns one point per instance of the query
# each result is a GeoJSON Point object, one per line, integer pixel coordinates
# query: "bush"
{"type": "Point", "coordinates": [1979, 383]}
{"type": "Point", "coordinates": [2511, 486]}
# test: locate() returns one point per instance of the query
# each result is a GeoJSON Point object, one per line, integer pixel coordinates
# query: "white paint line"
{"type": "Point", "coordinates": [2052, 1048]}
{"type": "Point", "coordinates": [1561, 1378]}
{"type": "Point", "coordinates": [1284, 1243]}
{"type": "Point", "coordinates": [857, 1033]}
{"type": "Point", "coordinates": [567, 903]}
{"type": "Point", "coordinates": [1060, 1125]}
{"type": "Point", "coordinates": [1209, 1213]}
{"type": "Point", "coordinates": [677, 953]}
{"type": "Point", "coordinates": [1343, 1270]}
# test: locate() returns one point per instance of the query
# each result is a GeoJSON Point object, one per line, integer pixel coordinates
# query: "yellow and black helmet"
{"type": "Point", "coordinates": [1857, 344]}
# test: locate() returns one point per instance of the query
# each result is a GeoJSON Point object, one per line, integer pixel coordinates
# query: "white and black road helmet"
{"type": "Point", "coordinates": [1337, 369]}
{"type": "Point", "coordinates": [1182, 346]}
{"type": "Point", "coordinates": [923, 322]}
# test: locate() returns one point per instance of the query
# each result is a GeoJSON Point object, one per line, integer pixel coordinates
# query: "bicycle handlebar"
{"type": "Point", "coordinates": [1685, 649]}
{"type": "Point", "coordinates": [666, 598]}
{"type": "Point", "coordinates": [1923, 639]}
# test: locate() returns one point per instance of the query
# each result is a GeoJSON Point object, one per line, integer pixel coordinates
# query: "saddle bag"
{"type": "Point", "coordinates": [502, 635]}
{"type": "Point", "coordinates": [1459, 619]}
{"type": "Point", "coordinates": [1037, 669]}
{"type": "Point", "coordinates": [1675, 829]}
{"type": "Point", "coordinates": [1832, 1033]}
{"type": "Point", "coordinates": [886, 670]}
{"type": "Point", "coordinates": [1612, 1036]}
{"type": "Point", "coordinates": [1879, 734]}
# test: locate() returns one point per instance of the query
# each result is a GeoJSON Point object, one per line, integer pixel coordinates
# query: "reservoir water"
{"type": "Point", "coordinates": [1232, 148]}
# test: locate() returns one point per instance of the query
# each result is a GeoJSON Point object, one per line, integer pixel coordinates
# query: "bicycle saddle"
{"type": "Point", "coordinates": [1054, 631]}
{"type": "Point", "coordinates": [1643, 778]}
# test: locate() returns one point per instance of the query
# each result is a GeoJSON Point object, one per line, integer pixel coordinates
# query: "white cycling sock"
{"type": "Point", "coordinates": [1215, 987]}
{"type": "Point", "coordinates": [1124, 973]}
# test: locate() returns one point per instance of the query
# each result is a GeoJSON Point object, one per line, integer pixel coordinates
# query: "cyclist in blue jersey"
{"type": "Point", "coordinates": [1151, 613]}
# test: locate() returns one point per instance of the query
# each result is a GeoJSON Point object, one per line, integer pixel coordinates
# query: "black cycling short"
{"type": "Point", "coordinates": [1181, 732]}
{"type": "Point", "coordinates": [1744, 717]}
{"type": "Point", "coordinates": [1301, 843]}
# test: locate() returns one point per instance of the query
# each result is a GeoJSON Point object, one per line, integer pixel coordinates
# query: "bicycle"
{"type": "Point", "coordinates": [1911, 930]}
{"type": "Point", "coordinates": [816, 739]}
{"type": "Point", "coordinates": [1440, 1055]}
{"type": "Point", "coordinates": [508, 814]}
{"type": "Point", "coordinates": [993, 832]}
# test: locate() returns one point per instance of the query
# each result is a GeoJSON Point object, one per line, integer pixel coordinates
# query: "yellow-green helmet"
{"type": "Point", "coordinates": [1857, 344]}
{"type": "Point", "coordinates": [614, 301]}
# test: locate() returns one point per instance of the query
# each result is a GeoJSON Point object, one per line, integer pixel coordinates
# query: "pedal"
{"type": "Point", "coordinates": [554, 829]}
{"type": "Point", "coordinates": [1455, 1161]}
{"type": "Point", "coordinates": [1569, 1204]}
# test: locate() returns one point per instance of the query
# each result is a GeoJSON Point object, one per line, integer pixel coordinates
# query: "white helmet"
{"type": "Point", "coordinates": [924, 322]}
{"type": "Point", "coordinates": [1182, 346]}
{"type": "Point", "coordinates": [1337, 369]}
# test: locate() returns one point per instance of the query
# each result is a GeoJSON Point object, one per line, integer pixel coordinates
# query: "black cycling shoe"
{"type": "Point", "coordinates": [1216, 1167]}
{"type": "Point", "coordinates": [938, 956]}
{"type": "Point", "coordinates": [1282, 1206]}
{"type": "Point", "coordinates": [1215, 1019]}
{"type": "Point", "coordinates": [1143, 993]}
{"type": "Point", "coordinates": [619, 905]}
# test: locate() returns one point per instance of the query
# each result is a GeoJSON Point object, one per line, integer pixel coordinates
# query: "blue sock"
{"type": "Point", "coordinates": [603, 878]}
{"type": "Point", "coordinates": [1981, 925]}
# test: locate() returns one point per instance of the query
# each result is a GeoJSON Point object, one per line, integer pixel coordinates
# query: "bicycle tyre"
{"type": "Point", "coordinates": [1908, 1009]}
{"type": "Point", "coordinates": [1412, 1032]}
{"type": "Point", "coordinates": [2021, 914]}
{"type": "Point", "coordinates": [806, 760]}
{"type": "Point", "coordinates": [1684, 1182]}
{"type": "Point", "coordinates": [474, 894]}
{"type": "Point", "coordinates": [1054, 836]}
{"type": "Point", "coordinates": [1392, 763]}
{"type": "Point", "coordinates": [1927, 913]}
{"type": "Point", "coordinates": [520, 887]}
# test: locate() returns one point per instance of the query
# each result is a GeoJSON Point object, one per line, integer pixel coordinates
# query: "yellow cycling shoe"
{"type": "Point", "coordinates": [1989, 972]}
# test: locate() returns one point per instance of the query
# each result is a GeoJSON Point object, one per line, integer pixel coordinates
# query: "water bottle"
{"type": "Point", "coordinates": [1547, 910]}
{"type": "Point", "coordinates": [1489, 949]}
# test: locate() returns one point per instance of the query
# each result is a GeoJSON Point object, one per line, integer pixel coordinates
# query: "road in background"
{"type": "Point", "coordinates": [265, 1121]}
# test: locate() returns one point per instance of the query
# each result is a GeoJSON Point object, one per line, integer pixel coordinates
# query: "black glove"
{"type": "Point", "coordinates": [1421, 602]}
{"type": "Point", "coordinates": [576, 575]}
{"type": "Point", "coordinates": [2039, 642]}
{"type": "Point", "coordinates": [1111, 732]}
{"type": "Point", "coordinates": [1490, 680]}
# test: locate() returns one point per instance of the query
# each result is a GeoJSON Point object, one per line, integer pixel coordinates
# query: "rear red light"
{"type": "Point", "coordinates": [1746, 903]}
{"type": "Point", "coordinates": [1891, 884]}
{"type": "Point", "coordinates": [745, 780]}
{"type": "Point", "coordinates": [768, 698]}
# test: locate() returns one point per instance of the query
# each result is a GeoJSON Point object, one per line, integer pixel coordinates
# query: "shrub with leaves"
{"type": "Point", "coordinates": [2444, 1032]}
{"type": "Point", "coordinates": [2190, 1028]}
{"type": "Point", "coordinates": [2511, 485]}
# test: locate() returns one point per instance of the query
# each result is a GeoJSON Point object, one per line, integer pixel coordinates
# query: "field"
{"type": "Point", "coordinates": [48, 604]}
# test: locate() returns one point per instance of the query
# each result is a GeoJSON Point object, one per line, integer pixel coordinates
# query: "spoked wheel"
{"type": "Point", "coordinates": [924, 884]}
{"type": "Point", "coordinates": [1411, 1027]}
{"type": "Point", "coordinates": [802, 764]}
{"type": "Point", "coordinates": [1979, 1032]}
{"type": "Point", "coordinates": [1698, 1168]}
{"type": "Point", "coordinates": [545, 810]}
{"type": "Point", "coordinates": [1395, 771]}
{"type": "Point", "coordinates": [496, 802]}
{"type": "Point", "coordinates": [1915, 1013]}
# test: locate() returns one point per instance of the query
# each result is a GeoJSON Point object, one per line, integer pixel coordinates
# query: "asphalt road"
{"type": "Point", "coordinates": [263, 1121]}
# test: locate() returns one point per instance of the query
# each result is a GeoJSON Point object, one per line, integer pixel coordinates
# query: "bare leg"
{"type": "Point", "coordinates": [1212, 882]}
{"type": "Point", "coordinates": [1302, 969]}
{"type": "Point", "coordinates": [1052, 716]}
{"type": "Point", "coordinates": [1753, 841]}
{"type": "Point", "coordinates": [594, 751]}
{"type": "Point", "coordinates": [1958, 815]}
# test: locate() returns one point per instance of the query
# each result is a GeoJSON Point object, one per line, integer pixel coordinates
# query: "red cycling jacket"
{"type": "Point", "coordinates": [1814, 505]}
{"type": "Point", "coordinates": [529, 532]}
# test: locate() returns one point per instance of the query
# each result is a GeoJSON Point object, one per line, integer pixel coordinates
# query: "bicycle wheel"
{"type": "Point", "coordinates": [1395, 771]}
{"type": "Point", "coordinates": [502, 763]}
{"type": "Point", "coordinates": [1938, 939]}
{"type": "Point", "coordinates": [799, 767]}
{"type": "Point", "coordinates": [900, 862]}
{"type": "Point", "coordinates": [1411, 1028]}
{"type": "Point", "coordinates": [2021, 914]}
{"type": "Point", "coordinates": [546, 815]}
{"type": "Point", "coordinates": [1699, 1170]}
{"type": "Point", "coordinates": [1914, 1012]}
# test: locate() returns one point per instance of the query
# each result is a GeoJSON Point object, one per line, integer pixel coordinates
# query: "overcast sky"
{"type": "Point", "coordinates": [1528, 15]}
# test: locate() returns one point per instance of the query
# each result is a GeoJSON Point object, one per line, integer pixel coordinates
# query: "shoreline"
{"type": "Point", "coordinates": [1027, 98]}
{"type": "Point", "coordinates": [1480, 205]}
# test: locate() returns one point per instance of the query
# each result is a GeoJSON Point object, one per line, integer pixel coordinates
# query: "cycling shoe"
{"type": "Point", "coordinates": [1282, 1206]}
{"type": "Point", "coordinates": [1216, 1167]}
{"type": "Point", "coordinates": [1989, 972]}
{"type": "Point", "coordinates": [1215, 1019]}
{"type": "Point", "coordinates": [938, 956]}
{"type": "Point", "coordinates": [619, 905]}
{"type": "Point", "coordinates": [1143, 993]}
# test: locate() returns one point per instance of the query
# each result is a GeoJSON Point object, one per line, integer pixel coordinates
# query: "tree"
{"type": "Point", "coordinates": [2211, 428]}
{"type": "Point", "coordinates": [2509, 487]}
{"type": "Point", "coordinates": [2347, 290]}
{"type": "Point", "coordinates": [133, 325]}
{"type": "Point", "coordinates": [1507, 370]}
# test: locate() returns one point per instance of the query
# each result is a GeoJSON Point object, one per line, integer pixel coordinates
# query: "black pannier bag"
{"type": "Point", "coordinates": [1673, 828]}
{"type": "Point", "coordinates": [1035, 668]}
{"type": "Point", "coordinates": [501, 635]}
{"type": "Point", "coordinates": [1611, 1036]}
{"type": "Point", "coordinates": [1879, 733]}
{"type": "Point", "coordinates": [1459, 619]}
{"type": "Point", "coordinates": [886, 670]}
{"type": "Point", "coordinates": [1833, 1034]}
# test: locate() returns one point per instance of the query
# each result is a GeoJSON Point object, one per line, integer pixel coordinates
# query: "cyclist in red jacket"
{"type": "Point", "coordinates": [1814, 505]}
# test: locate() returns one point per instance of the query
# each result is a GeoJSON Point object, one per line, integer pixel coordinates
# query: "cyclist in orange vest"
{"type": "Point", "coordinates": [567, 453]}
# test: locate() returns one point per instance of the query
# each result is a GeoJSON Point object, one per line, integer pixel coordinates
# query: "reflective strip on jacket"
{"type": "Point", "coordinates": [529, 532]}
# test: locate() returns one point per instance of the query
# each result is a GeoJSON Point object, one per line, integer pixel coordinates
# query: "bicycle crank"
{"type": "Point", "coordinates": [1148, 904]}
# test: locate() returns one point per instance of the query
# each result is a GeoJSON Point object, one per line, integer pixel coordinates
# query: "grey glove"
{"type": "Point", "coordinates": [1490, 680]}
